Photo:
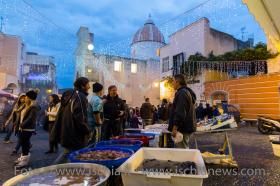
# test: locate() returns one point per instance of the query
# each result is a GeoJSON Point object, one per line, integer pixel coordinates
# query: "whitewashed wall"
{"type": "Point", "coordinates": [145, 50]}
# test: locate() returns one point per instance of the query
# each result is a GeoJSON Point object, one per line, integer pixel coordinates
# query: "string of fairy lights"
{"type": "Point", "coordinates": [42, 34]}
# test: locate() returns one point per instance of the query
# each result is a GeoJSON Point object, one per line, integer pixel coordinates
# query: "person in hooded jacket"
{"type": "Point", "coordinates": [71, 128]}
{"type": "Point", "coordinates": [27, 126]}
{"type": "Point", "coordinates": [114, 110]}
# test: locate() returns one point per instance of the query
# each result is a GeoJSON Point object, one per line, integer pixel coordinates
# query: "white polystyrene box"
{"type": "Point", "coordinates": [276, 149]}
{"type": "Point", "coordinates": [132, 178]}
{"type": "Point", "coordinates": [274, 137]}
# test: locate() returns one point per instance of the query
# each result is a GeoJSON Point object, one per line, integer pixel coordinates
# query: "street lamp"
{"type": "Point", "coordinates": [90, 47]}
{"type": "Point", "coordinates": [49, 91]}
{"type": "Point", "coordinates": [156, 84]}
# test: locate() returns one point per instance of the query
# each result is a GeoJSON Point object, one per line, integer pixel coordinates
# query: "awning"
{"type": "Point", "coordinates": [7, 94]}
{"type": "Point", "coordinates": [266, 12]}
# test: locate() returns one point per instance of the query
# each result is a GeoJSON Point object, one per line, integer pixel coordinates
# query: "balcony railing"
{"type": "Point", "coordinates": [231, 69]}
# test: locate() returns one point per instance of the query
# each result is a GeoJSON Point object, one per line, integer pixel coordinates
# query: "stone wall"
{"type": "Point", "coordinates": [11, 55]}
{"type": "Point", "coordinates": [257, 95]}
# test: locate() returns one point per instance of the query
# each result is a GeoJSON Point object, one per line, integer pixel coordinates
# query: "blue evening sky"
{"type": "Point", "coordinates": [49, 26]}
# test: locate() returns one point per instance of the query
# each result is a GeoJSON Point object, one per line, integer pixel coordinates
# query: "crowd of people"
{"type": "Point", "coordinates": [209, 111]}
{"type": "Point", "coordinates": [76, 120]}
{"type": "Point", "coordinates": [21, 119]}
{"type": "Point", "coordinates": [148, 114]}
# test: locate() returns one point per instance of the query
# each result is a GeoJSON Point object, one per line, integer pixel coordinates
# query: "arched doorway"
{"type": "Point", "coordinates": [219, 96]}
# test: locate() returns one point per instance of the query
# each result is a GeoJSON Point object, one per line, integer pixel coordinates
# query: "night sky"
{"type": "Point", "coordinates": [49, 26]}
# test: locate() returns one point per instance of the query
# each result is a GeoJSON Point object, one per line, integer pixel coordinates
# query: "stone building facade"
{"type": "Point", "coordinates": [39, 71]}
{"type": "Point", "coordinates": [12, 57]}
{"type": "Point", "coordinates": [136, 77]}
{"type": "Point", "coordinates": [197, 37]}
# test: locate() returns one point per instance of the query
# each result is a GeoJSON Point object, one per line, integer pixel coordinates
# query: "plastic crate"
{"type": "Point", "coordinates": [276, 148]}
{"type": "Point", "coordinates": [149, 135]}
{"type": "Point", "coordinates": [134, 145]}
{"type": "Point", "coordinates": [132, 130]}
{"type": "Point", "coordinates": [157, 126]}
{"type": "Point", "coordinates": [142, 138]}
{"type": "Point", "coordinates": [274, 137]}
{"type": "Point", "coordinates": [132, 177]}
{"type": "Point", "coordinates": [107, 163]}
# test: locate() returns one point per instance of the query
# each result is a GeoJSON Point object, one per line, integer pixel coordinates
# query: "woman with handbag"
{"type": "Point", "coordinates": [51, 113]}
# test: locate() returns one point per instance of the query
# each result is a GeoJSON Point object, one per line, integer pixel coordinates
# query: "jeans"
{"type": "Point", "coordinates": [185, 143]}
{"type": "Point", "coordinates": [24, 138]}
{"type": "Point", "coordinates": [97, 133]}
{"type": "Point", "coordinates": [92, 140]}
{"type": "Point", "coordinates": [111, 128]}
{"type": "Point", "coordinates": [95, 136]}
{"type": "Point", "coordinates": [10, 131]}
{"type": "Point", "coordinates": [53, 145]}
{"type": "Point", "coordinates": [18, 143]}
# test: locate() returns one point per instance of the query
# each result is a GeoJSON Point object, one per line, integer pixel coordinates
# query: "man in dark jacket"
{"type": "Point", "coordinates": [71, 128]}
{"type": "Point", "coordinates": [163, 111]}
{"type": "Point", "coordinates": [200, 112]}
{"type": "Point", "coordinates": [126, 115]}
{"type": "Point", "coordinates": [147, 112]}
{"type": "Point", "coordinates": [183, 112]}
{"type": "Point", "coordinates": [208, 111]}
{"type": "Point", "coordinates": [113, 111]}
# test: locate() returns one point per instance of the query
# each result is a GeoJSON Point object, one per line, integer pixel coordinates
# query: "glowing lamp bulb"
{"type": "Point", "coordinates": [90, 47]}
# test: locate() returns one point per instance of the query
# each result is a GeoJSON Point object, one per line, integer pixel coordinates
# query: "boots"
{"type": "Point", "coordinates": [24, 161]}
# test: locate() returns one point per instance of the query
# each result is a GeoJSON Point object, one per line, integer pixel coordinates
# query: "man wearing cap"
{"type": "Point", "coordinates": [95, 112]}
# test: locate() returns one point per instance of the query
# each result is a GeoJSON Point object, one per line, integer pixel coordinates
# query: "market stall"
{"type": "Point", "coordinates": [146, 157]}
{"type": "Point", "coordinates": [7, 95]}
{"type": "Point", "coordinates": [158, 135]}
{"type": "Point", "coordinates": [165, 167]}
{"type": "Point", "coordinates": [221, 157]}
{"type": "Point", "coordinates": [64, 174]}
{"type": "Point", "coordinates": [220, 125]}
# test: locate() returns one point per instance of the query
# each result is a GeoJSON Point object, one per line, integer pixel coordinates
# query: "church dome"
{"type": "Point", "coordinates": [149, 32]}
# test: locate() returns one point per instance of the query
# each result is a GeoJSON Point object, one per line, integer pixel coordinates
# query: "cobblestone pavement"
{"type": "Point", "coordinates": [252, 151]}
{"type": "Point", "coordinates": [38, 157]}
